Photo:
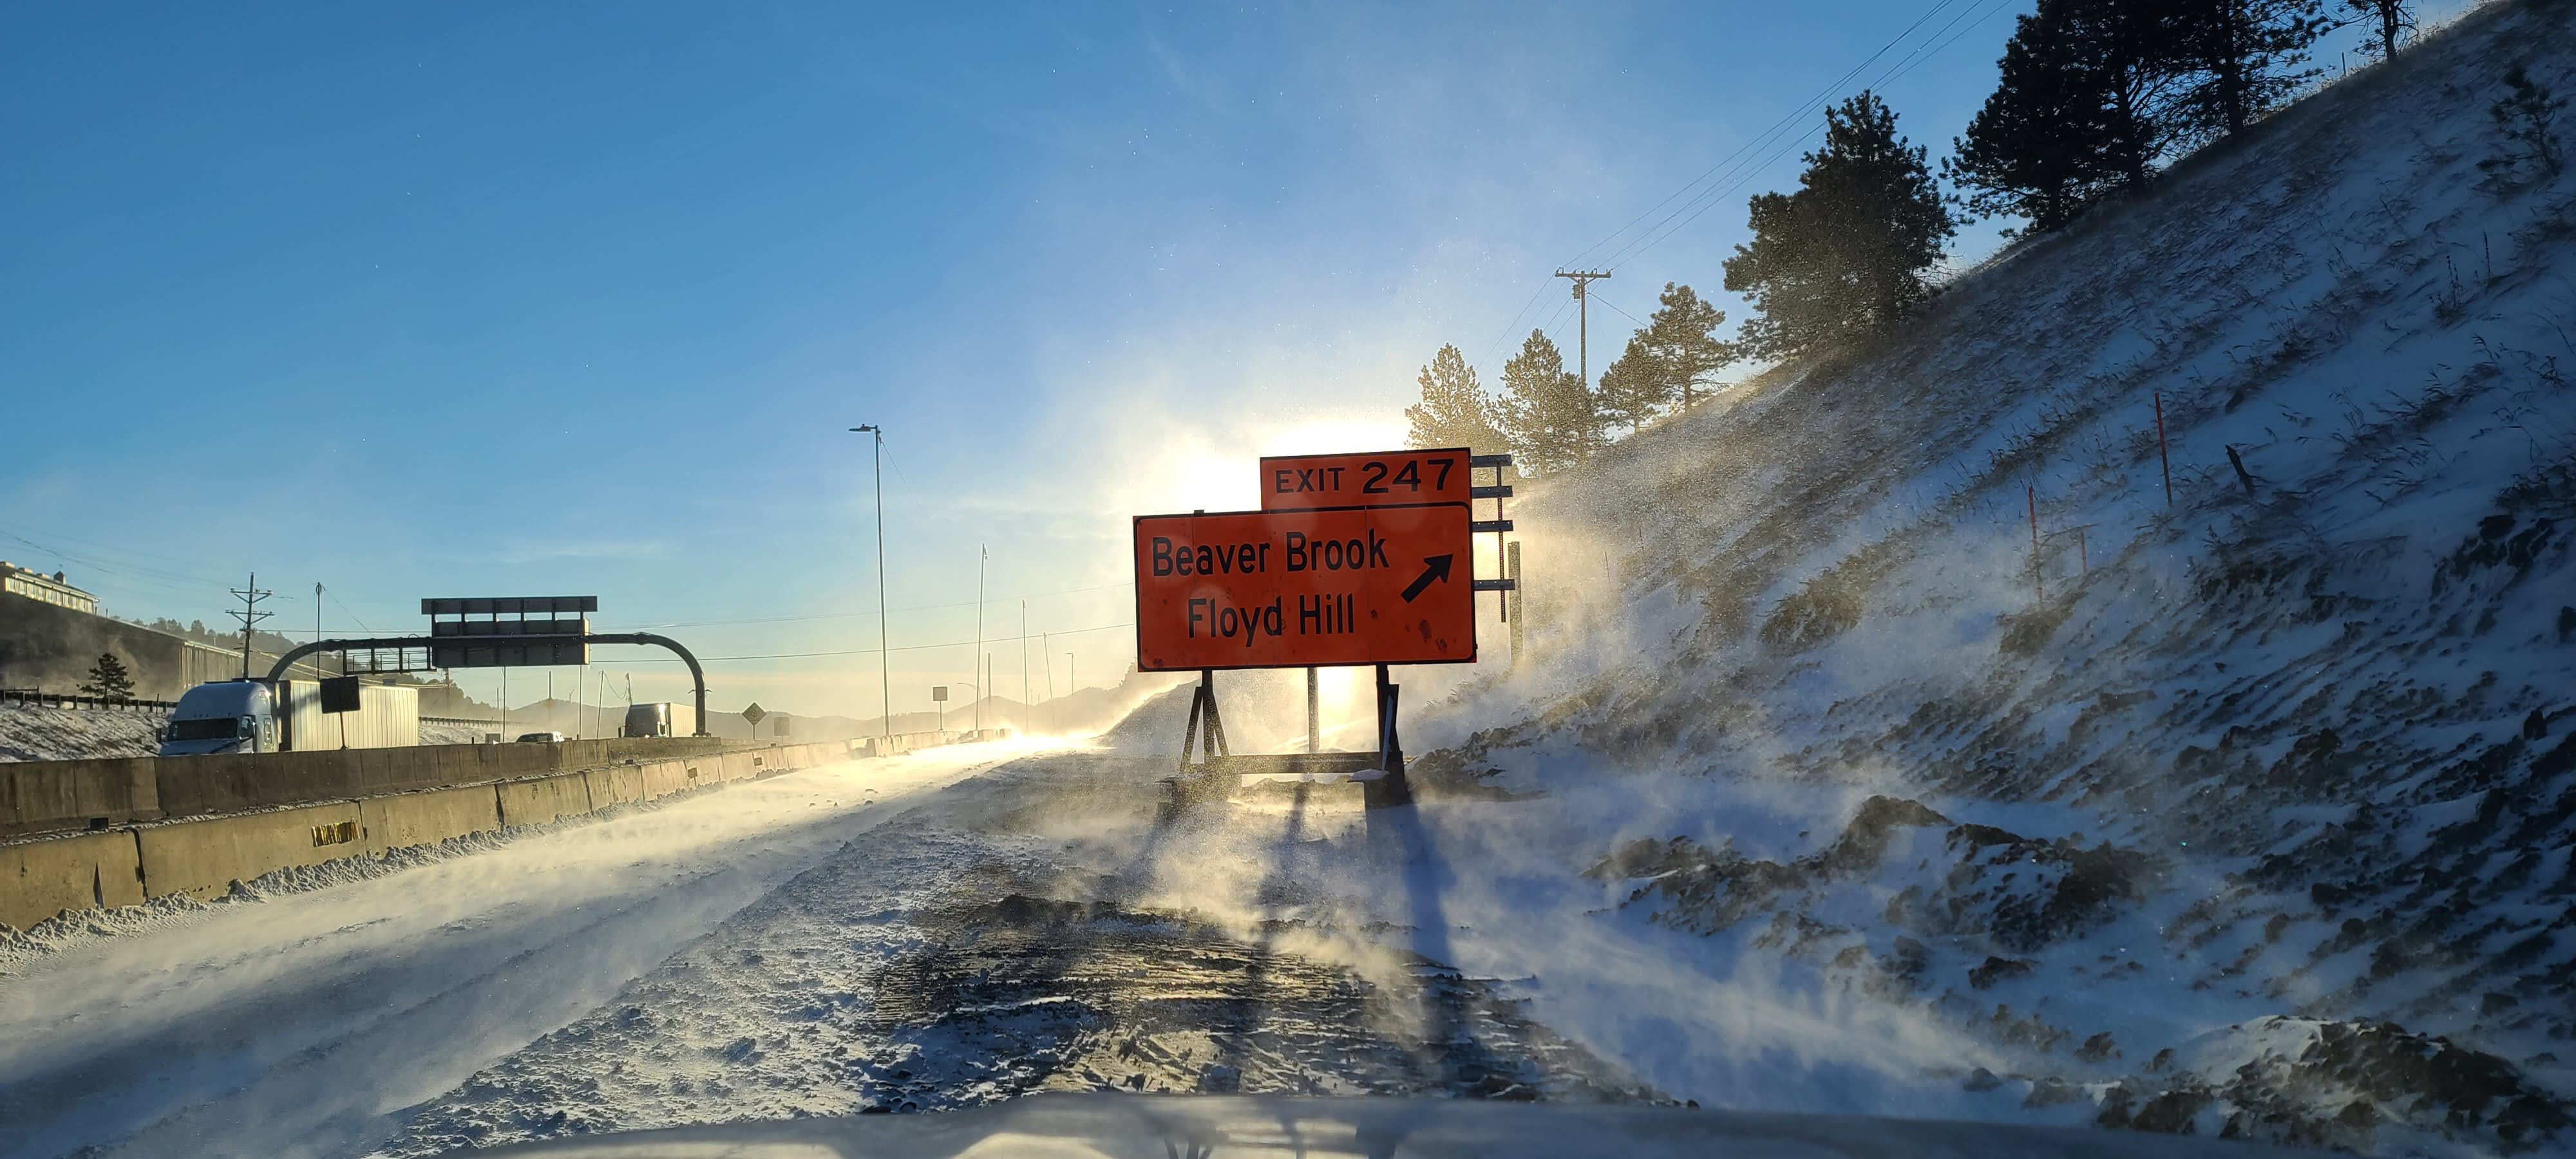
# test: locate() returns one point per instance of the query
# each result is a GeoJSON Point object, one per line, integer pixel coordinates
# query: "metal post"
{"type": "Point", "coordinates": [2162, 452]}
{"type": "Point", "coordinates": [1518, 611]}
{"type": "Point", "coordinates": [1311, 737]}
{"type": "Point", "coordinates": [1392, 789]}
{"type": "Point", "coordinates": [980, 556]}
{"type": "Point", "coordinates": [2037, 587]}
{"type": "Point", "coordinates": [885, 669]}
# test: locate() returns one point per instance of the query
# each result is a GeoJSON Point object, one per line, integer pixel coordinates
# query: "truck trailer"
{"type": "Point", "coordinates": [263, 716]}
{"type": "Point", "coordinates": [661, 718]}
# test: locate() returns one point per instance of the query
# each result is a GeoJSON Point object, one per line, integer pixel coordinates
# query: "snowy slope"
{"type": "Point", "coordinates": [2250, 812]}
{"type": "Point", "coordinates": [33, 733]}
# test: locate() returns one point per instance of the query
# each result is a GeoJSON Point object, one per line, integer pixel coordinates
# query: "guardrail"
{"type": "Point", "coordinates": [81, 700]}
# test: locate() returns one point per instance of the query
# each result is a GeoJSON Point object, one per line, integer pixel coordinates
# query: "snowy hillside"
{"type": "Point", "coordinates": [35, 733]}
{"type": "Point", "coordinates": [2248, 813]}
{"type": "Point", "coordinates": [32, 733]}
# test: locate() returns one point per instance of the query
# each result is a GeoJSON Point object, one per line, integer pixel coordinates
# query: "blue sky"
{"type": "Point", "coordinates": [486, 299]}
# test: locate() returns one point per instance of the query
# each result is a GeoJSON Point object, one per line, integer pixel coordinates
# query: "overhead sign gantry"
{"type": "Point", "coordinates": [514, 632]}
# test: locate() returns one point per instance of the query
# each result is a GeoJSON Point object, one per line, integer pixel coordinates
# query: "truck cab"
{"type": "Point", "coordinates": [233, 716]}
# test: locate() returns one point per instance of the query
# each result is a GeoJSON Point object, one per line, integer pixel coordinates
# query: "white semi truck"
{"type": "Point", "coordinates": [661, 719]}
{"type": "Point", "coordinates": [261, 716]}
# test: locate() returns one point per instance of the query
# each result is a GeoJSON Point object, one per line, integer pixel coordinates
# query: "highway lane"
{"type": "Point", "coordinates": [304, 1023]}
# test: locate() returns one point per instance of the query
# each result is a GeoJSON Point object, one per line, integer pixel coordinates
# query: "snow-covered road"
{"type": "Point", "coordinates": [308, 1023]}
{"type": "Point", "coordinates": [936, 931]}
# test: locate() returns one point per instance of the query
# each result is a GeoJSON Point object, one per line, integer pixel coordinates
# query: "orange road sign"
{"type": "Point", "coordinates": [1297, 589]}
{"type": "Point", "coordinates": [1382, 479]}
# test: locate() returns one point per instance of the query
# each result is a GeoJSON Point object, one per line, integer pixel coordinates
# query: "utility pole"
{"type": "Point", "coordinates": [981, 556]}
{"type": "Point", "coordinates": [317, 635]}
{"type": "Point", "coordinates": [1583, 326]}
{"type": "Point", "coordinates": [250, 615]}
{"type": "Point", "coordinates": [1024, 664]}
{"type": "Point", "coordinates": [1052, 710]}
{"type": "Point", "coordinates": [885, 671]}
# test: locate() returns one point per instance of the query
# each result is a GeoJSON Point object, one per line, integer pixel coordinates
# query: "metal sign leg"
{"type": "Point", "coordinates": [1311, 731]}
{"type": "Point", "coordinates": [1392, 789]}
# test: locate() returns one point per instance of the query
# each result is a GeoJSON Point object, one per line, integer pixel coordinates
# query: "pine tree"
{"type": "Point", "coordinates": [1551, 421]}
{"type": "Point", "coordinates": [2394, 19]}
{"type": "Point", "coordinates": [1667, 362]}
{"type": "Point", "coordinates": [1682, 332]}
{"type": "Point", "coordinates": [1846, 252]}
{"type": "Point", "coordinates": [2034, 150]}
{"type": "Point", "coordinates": [1635, 388]}
{"type": "Point", "coordinates": [2076, 114]}
{"type": "Point", "coordinates": [1454, 411]}
{"type": "Point", "coordinates": [108, 678]}
{"type": "Point", "coordinates": [2525, 116]}
{"type": "Point", "coordinates": [2245, 53]}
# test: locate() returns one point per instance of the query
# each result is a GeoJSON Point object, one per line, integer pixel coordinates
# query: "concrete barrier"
{"type": "Point", "coordinates": [60, 796]}
{"type": "Point", "coordinates": [202, 858]}
{"type": "Point", "coordinates": [407, 819]}
{"type": "Point", "coordinates": [617, 785]}
{"type": "Point", "coordinates": [40, 795]}
{"type": "Point", "coordinates": [545, 799]}
{"type": "Point", "coordinates": [39, 879]}
{"type": "Point", "coordinates": [664, 778]}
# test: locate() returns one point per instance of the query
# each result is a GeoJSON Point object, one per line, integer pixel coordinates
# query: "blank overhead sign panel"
{"type": "Point", "coordinates": [1293, 589]}
{"type": "Point", "coordinates": [515, 631]}
{"type": "Point", "coordinates": [1381, 479]}
{"type": "Point", "coordinates": [510, 606]}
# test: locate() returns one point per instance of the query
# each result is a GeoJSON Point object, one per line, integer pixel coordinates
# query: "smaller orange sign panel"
{"type": "Point", "coordinates": [1386, 478]}
{"type": "Point", "coordinates": [1294, 589]}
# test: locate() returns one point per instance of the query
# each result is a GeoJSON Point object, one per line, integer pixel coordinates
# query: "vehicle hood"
{"type": "Point", "coordinates": [1080, 1126]}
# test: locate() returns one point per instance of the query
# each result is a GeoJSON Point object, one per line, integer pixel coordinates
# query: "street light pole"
{"type": "Point", "coordinates": [885, 669]}
{"type": "Point", "coordinates": [981, 555]}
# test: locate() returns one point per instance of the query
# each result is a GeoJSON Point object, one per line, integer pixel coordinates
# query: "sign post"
{"type": "Point", "coordinates": [1338, 586]}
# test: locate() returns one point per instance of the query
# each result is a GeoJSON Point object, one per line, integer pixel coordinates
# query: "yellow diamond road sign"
{"type": "Point", "coordinates": [754, 713]}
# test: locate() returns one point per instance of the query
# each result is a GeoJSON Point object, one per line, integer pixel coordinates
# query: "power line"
{"type": "Point", "coordinates": [871, 651]}
{"type": "Point", "coordinates": [1990, 13]}
{"type": "Point", "coordinates": [1596, 296]}
{"type": "Point", "coordinates": [1759, 142]}
{"type": "Point", "coordinates": [804, 616]}
{"type": "Point", "coordinates": [1729, 161]}
{"type": "Point", "coordinates": [1716, 196]}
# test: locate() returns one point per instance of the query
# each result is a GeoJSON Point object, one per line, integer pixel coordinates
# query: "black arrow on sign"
{"type": "Point", "coordinates": [1434, 567]}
